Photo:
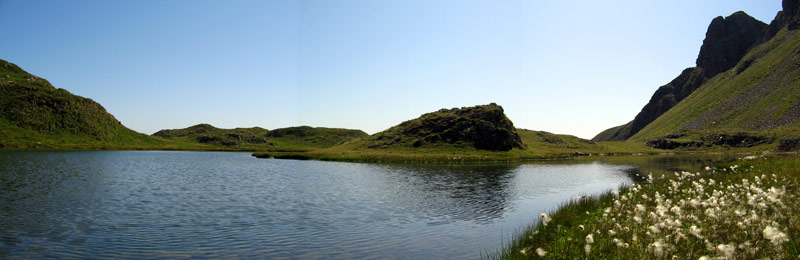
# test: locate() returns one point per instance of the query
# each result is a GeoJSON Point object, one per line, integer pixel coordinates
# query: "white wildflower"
{"type": "Point", "coordinates": [653, 229]}
{"type": "Point", "coordinates": [675, 210]}
{"type": "Point", "coordinates": [726, 250]}
{"type": "Point", "coordinates": [694, 230]}
{"type": "Point", "coordinates": [711, 213]}
{"type": "Point", "coordinates": [587, 248]}
{"type": "Point", "coordinates": [541, 252]}
{"type": "Point", "coordinates": [657, 248]}
{"type": "Point", "coordinates": [661, 210]}
{"type": "Point", "coordinates": [545, 219]}
{"type": "Point", "coordinates": [640, 209]}
{"type": "Point", "coordinates": [775, 236]}
{"type": "Point", "coordinates": [589, 239]}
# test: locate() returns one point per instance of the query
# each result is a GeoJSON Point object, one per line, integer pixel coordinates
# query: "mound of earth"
{"type": "Point", "coordinates": [484, 127]}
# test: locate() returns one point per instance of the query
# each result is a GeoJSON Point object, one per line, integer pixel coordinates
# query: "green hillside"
{"type": "Point", "coordinates": [477, 133]}
{"type": "Point", "coordinates": [34, 114]}
{"type": "Point", "coordinates": [299, 138]}
{"type": "Point", "coordinates": [483, 127]}
{"type": "Point", "coordinates": [760, 95]}
{"type": "Point", "coordinates": [727, 40]}
{"type": "Point", "coordinates": [751, 105]}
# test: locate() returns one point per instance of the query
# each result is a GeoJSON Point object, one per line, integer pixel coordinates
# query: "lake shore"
{"type": "Point", "coordinates": [736, 210]}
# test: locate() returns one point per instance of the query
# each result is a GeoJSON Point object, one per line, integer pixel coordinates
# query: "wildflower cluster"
{"type": "Point", "coordinates": [726, 213]}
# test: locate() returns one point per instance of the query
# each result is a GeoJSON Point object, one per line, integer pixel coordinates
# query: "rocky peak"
{"type": "Point", "coordinates": [788, 17]}
{"type": "Point", "coordinates": [727, 40]}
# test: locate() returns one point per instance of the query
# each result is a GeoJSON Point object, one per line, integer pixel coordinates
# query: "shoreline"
{"type": "Point", "coordinates": [621, 231]}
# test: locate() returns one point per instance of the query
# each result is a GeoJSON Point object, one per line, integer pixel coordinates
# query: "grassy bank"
{"type": "Point", "coordinates": [742, 210]}
{"type": "Point", "coordinates": [539, 146]}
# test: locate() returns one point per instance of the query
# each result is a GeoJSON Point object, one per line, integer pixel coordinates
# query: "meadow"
{"type": "Point", "coordinates": [738, 210]}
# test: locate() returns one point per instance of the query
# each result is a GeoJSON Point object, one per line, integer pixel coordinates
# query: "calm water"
{"type": "Point", "coordinates": [230, 205]}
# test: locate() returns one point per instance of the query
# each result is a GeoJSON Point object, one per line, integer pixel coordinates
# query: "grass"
{"type": "Point", "coordinates": [754, 99]}
{"type": "Point", "coordinates": [539, 146]}
{"type": "Point", "coordinates": [290, 139]}
{"type": "Point", "coordinates": [740, 210]}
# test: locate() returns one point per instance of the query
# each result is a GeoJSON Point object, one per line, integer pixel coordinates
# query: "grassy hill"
{"type": "Point", "coordinates": [478, 133]}
{"type": "Point", "coordinates": [483, 127]}
{"type": "Point", "coordinates": [34, 114]}
{"type": "Point", "coordinates": [301, 138]}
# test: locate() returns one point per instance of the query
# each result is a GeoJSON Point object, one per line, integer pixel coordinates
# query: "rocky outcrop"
{"type": "Point", "coordinates": [788, 17]}
{"type": "Point", "coordinates": [724, 139]}
{"type": "Point", "coordinates": [789, 145]}
{"type": "Point", "coordinates": [484, 127]}
{"type": "Point", "coordinates": [727, 41]}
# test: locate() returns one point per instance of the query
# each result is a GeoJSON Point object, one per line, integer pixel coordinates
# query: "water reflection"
{"type": "Point", "coordinates": [450, 192]}
{"type": "Point", "coordinates": [230, 205]}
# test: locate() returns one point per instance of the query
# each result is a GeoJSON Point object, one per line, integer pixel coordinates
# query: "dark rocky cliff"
{"type": "Point", "coordinates": [727, 40]}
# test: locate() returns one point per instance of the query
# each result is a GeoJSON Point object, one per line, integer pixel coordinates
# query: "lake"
{"type": "Point", "coordinates": [166, 204]}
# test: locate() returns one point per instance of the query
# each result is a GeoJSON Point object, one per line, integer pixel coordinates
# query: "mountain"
{"type": "Point", "coordinates": [483, 127]}
{"type": "Point", "coordinates": [754, 102]}
{"type": "Point", "coordinates": [34, 114]}
{"type": "Point", "coordinates": [727, 40]}
{"type": "Point", "coordinates": [301, 137]}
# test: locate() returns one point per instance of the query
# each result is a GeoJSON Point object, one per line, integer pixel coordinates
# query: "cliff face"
{"type": "Point", "coordinates": [788, 17]}
{"type": "Point", "coordinates": [727, 40]}
{"type": "Point", "coordinates": [758, 97]}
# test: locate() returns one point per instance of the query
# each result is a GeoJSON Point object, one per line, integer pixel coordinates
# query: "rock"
{"type": "Point", "coordinates": [484, 127]}
{"type": "Point", "coordinates": [737, 139]}
{"type": "Point", "coordinates": [788, 17]}
{"type": "Point", "coordinates": [666, 144]}
{"type": "Point", "coordinates": [789, 144]}
{"type": "Point", "coordinates": [727, 40]}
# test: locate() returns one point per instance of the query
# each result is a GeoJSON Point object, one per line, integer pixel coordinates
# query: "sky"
{"type": "Point", "coordinates": [567, 67]}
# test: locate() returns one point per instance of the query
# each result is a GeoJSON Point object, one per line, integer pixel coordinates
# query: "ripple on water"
{"type": "Point", "coordinates": [173, 205]}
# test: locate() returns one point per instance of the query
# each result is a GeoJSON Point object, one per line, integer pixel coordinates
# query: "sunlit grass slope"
{"type": "Point", "coordinates": [290, 139]}
{"type": "Point", "coordinates": [760, 94]}
{"type": "Point", "coordinates": [34, 114]}
{"type": "Point", "coordinates": [537, 145]}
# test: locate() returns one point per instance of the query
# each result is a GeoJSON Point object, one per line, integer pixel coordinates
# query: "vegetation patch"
{"type": "Point", "coordinates": [483, 127]}
{"type": "Point", "coordinates": [256, 138]}
{"type": "Point", "coordinates": [741, 210]}
{"type": "Point", "coordinates": [730, 140]}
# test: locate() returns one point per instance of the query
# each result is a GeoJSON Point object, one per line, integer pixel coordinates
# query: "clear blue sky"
{"type": "Point", "coordinates": [572, 67]}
